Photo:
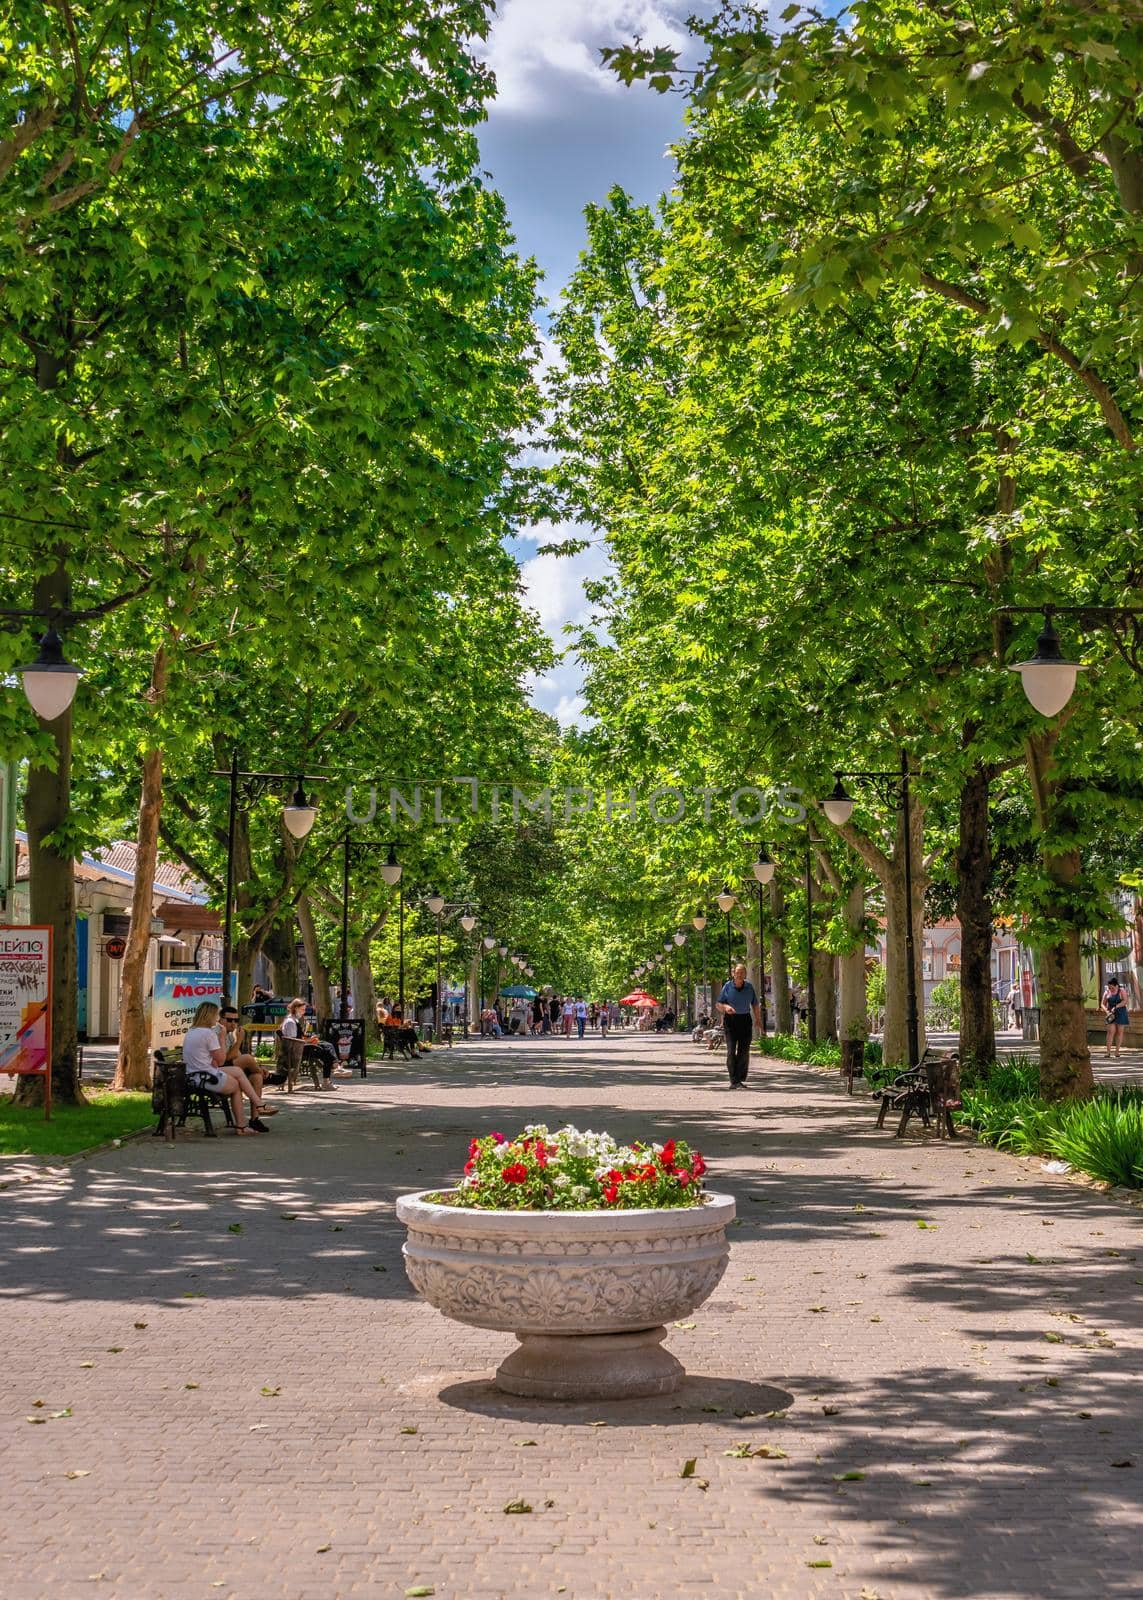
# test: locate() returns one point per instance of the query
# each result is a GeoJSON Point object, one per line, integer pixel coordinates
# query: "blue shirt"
{"type": "Point", "coordinates": [743, 1000]}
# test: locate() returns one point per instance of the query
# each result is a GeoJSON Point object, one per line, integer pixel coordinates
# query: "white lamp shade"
{"type": "Point", "coordinates": [763, 869]}
{"type": "Point", "coordinates": [435, 903]}
{"type": "Point", "coordinates": [391, 874]}
{"type": "Point", "coordinates": [727, 901]}
{"type": "Point", "coordinates": [680, 938]}
{"type": "Point", "coordinates": [502, 951]}
{"type": "Point", "coordinates": [698, 923]}
{"type": "Point", "coordinates": [839, 807]}
{"type": "Point", "coordinates": [299, 815]}
{"type": "Point", "coordinates": [50, 681]}
{"type": "Point", "coordinates": [468, 922]}
{"type": "Point", "coordinates": [299, 819]}
{"type": "Point", "coordinates": [1048, 684]}
{"type": "Point", "coordinates": [1047, 678]}
{"type": "Point", "coordinates": [488, 941]}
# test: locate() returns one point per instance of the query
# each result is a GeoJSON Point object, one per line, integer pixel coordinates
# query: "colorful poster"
{"type": "Point", "coordinates": [25, 999]}
{"type": "Point", "coordinates": [176, 997]}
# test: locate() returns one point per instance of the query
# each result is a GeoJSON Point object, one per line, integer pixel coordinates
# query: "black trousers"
{"type": "Point", "coordinates": [738, 1034]}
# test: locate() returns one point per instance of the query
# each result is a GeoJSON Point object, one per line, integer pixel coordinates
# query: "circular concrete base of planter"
{"type": "Point", "coordinates": [592, 1366]}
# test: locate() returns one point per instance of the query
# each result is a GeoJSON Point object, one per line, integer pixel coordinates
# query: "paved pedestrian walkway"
{"type": "Point", "coordinates": [236, 1393]}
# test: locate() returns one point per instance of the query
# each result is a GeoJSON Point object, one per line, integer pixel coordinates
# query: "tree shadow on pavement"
{"type": "Point", "coordinates": [983, 1486]}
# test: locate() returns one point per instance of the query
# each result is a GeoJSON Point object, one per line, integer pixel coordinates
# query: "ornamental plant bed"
{"type": "Point", "coordinates": [576, 1171]}
{"type": "Point", "coordinates": [586, 1272]}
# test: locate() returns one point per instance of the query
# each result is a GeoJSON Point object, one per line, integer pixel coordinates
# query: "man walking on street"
{"type": "Point", "coordinates": [738, 1004]}
{"type": "Point", "coordinates": [580, 1016]}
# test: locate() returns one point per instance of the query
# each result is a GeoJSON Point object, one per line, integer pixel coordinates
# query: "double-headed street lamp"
{"type": "Point", "coordinates": [894, 787]}
{"type": "Point", "coordinates": [246, 788]}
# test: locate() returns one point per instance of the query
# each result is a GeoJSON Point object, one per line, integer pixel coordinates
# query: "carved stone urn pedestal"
{"type": "Point", "coordinates": [587, 1293]}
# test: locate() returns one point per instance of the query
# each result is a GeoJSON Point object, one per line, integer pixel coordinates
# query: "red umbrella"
{"type": "Point", "coordinates": [638, 997]}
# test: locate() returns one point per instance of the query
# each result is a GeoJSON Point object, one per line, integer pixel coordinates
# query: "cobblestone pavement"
{"type": "Point", "coordinates": [240, 1395]}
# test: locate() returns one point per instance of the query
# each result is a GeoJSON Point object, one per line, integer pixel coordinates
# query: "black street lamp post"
{"type": "Point", "coordinates": [246, 788]}
{"type": "Point", "coordinates": [698, 923]}
{"type": "Point", "coordinates": [763, 872]}
{"type": "Point", "coordinates": [811, 991]}
{"type": "Point", "coordinates": [726, 903]}
{"type": "Point", "coordinates": [894, 786]}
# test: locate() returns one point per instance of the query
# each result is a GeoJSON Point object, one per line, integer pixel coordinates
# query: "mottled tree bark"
{"type": "Point", "coordinates": [974, 912]}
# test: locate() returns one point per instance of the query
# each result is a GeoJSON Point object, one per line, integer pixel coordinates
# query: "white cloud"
{"type": "Point", "coordinates": [554, 588]}
{"type": "Point", "coordinates": [535, 40]}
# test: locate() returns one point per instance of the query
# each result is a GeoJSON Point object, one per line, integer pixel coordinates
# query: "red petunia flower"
{"type": "Point", "coordinates": [468, 1166]}
{"type": "Point", "coordinates": [698, 1165]}
{"type": "Point", "coordinates": [514, 1172]}
{"type": "Point", "coordinates": [474, 1147]}
{"type": "Point", "coordinates": [611, 1194]}
{"type": "Point", "coordinates": [667, 1155]}
{"type": "Point", "coordinates": [500, 1139]}
{"type": "Point", "coordinates": [684, 1178]}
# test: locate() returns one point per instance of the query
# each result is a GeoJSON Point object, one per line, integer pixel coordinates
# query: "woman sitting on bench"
{"type": "Point", "coordinates": [205, 1060]}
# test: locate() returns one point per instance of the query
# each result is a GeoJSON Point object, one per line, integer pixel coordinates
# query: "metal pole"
{"type": "Point", "coordinates": [705, 982]}
{"type": "Point", "coordinates": [401, 951]}
{"type": "Point", "coordinates": [912, 1019]}
{"type": "Point", "coordinates": [761, 959]}
{"type": "Point", "coordinates": [228, 919]}
{"type": "Point", "coordinates": [437, 1020]}
{"type": "Point", "coordinates": [729, 956]}
{"type": "Point", "coordinates": [690, 992]}
{"type": "Point", "coordinates": [343, 1003]}
{"type": "Point", "coordinates": [811, 998]}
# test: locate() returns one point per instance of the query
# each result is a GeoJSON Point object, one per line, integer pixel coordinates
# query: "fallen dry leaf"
{"type": "Point", "coordinates": [517, 1507]}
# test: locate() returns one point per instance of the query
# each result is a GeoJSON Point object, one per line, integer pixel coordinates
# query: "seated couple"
{"type": "Point", "coordinates": [403, 1036]}
{"type": "Point", "coordinates": [215, 1060]}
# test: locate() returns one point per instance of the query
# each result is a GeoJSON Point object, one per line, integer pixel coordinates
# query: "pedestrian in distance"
{"type": "Point", "coordinates": [1116, 1014]}
{"type": "Point", "coordinates": [580, 1017]}
{"type": "Point", "coordinates": [739, 1008]}
{"type": "Point", "coordinates": [568, 1015]}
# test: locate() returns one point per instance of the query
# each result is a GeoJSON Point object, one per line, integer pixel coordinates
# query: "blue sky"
{"type": "Point", "coordinates": [561, 133]}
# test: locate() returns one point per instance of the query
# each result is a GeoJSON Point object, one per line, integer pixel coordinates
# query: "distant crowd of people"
{"type": "Point", "coordinates": [547, 1015]}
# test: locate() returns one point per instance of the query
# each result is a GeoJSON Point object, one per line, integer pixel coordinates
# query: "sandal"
{"type": "Point", "coordinates": [267, 1111]}
{"type": "Point", "coordinates": [244, 1128]}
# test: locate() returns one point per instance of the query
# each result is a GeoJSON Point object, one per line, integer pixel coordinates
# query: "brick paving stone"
{"type": "Point", "coordinates": [844, 1332]}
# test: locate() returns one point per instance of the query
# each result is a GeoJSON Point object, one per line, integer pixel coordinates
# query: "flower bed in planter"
{"type": "Point", "coordinates": [585, 1280]}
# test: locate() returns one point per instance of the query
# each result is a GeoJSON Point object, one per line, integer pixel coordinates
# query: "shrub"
{"type": "Point", "coordinates": [943, 1009]}
{"type": "Point", "coordinates": [1102, 1136]}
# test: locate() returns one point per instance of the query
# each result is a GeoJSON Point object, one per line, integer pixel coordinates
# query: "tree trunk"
{"type": "Point", "coordinates": [779, 968]}
{"type": "Point", "coordinates": [896, 1043]}
{"type": "Point", "coordinates": [319, 972]}
{"type": "Point", "coordinates": [51, 871]}
{"type": "Point", "coordinates": [281, 951]}
{"type": "Point", "coordinates": [825, 993]}
{"type": "Point", "coordinates": [133, 1068]}
{"type": "Point", "coordinates": [974, 912]}
{"type": "Point", "coordinates": [1065, 1060]}
{"type": "Point", "coordinates": [854, 1022]}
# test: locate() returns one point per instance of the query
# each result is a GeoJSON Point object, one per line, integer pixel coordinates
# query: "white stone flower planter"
{"type": "Point", "coordinates": [587, 1293]}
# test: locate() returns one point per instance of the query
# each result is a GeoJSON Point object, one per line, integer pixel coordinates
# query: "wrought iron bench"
{"type": "Point", "coordinates": [930, 1090]}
